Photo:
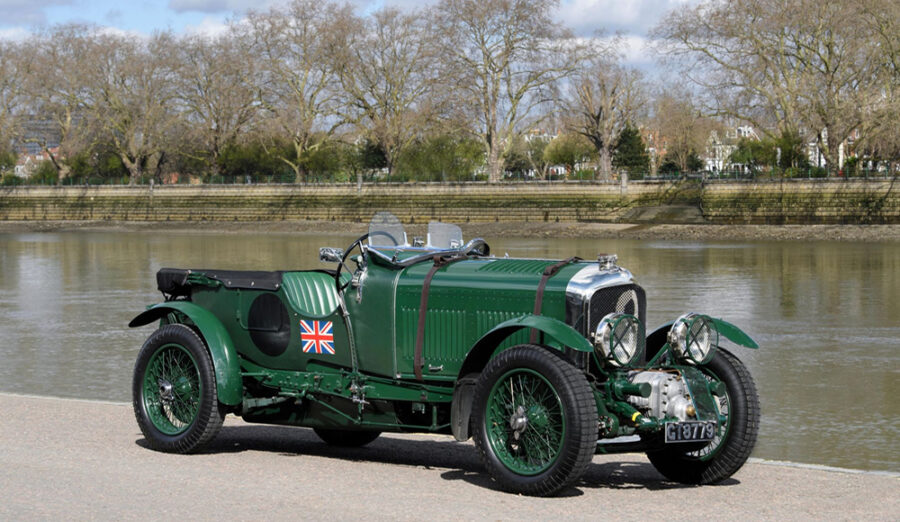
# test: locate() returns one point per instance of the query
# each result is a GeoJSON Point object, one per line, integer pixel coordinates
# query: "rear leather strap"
{"type": "Point", "coordinates": [439, 262]}
{"type": "Point", "coordinates": [549, 272]}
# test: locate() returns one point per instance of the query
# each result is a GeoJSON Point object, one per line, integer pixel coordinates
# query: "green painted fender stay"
{"type": "Point", "coordinates": [221, 348]}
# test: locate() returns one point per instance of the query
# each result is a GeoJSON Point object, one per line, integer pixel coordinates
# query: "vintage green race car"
{"type": "Point", "coordinates": [543, 362]}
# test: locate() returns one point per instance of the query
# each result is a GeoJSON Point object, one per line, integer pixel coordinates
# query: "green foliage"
{"type": "Point", "coordinates": [371, 156]}
{"type": "Point", "coordinates": [443, 157]}
{"type": "Point", "coordinates": [694, 163]}
{"type": "Point", "coordinates": [95, 167]}
{"type": "Point", "coordinates": [630, 153]}
{"type": "Point", "coordinates": [326, 162]}
{"type": "Point", "coordinates": [516, 160]}
{"type": "Point", "coordinates": [793, 151]}
{"type": "Point", "coordinates": [44, 174]}
{"type": "Point", "coordinates": [754, 154]}
{"type": "Point", "coordinates": [7, 160]}
{"type": "Point", "coordinates": [670, 164]}
{"type": "Point", "coordinates": [365, 158]}
{"type": "Point", "coordinates": [9, 179]}
{"type": "Point", "coordinates": [851, 167]}
{"type": "Point", "coordinates": [526, 156]}
{"type": "Point", "coordinates": [568, 150]}
{"type": "Point", "coordinates": [253, 161]}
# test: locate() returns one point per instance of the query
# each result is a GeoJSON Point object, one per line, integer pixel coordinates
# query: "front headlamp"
{"type": "Point", "coordinates": [693, 338]}
{"type": "Point", "coordinates": [619, 338]}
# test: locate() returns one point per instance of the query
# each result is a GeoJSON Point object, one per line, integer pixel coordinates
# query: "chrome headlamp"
{"type": "Point", "coordinates": [619, 338]}
{"type": "Point", "coordinates": [693, 338]}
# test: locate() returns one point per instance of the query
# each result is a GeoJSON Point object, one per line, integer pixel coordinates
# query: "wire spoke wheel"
{"type": "Point", "coordinates": [735, 438]}
{"type": "Point", "coordinates": [710, 450]}
{"type": "Point", "coordinates": [525, 421]}
{"type": "Point", "coordinates": [174, 391]}
{"type": "Point", "coordinates": [534, 421]}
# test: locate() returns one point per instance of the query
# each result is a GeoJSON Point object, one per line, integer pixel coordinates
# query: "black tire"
{"type": "Point", "coordinates": [558, 395]}
{"type": "Point", "coordinates": [724, 456]}
{"type": "Point", "coordinates": [181, 413]}
{"type": "Point", "coordinates": [346, 438]}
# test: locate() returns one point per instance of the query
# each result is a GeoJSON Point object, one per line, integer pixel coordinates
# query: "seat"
{"type": "Point", "coordinates": [312, 294]}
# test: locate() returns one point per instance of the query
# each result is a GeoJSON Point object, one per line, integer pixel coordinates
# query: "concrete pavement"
{"type": "Point", "coordinates": [69, 459]}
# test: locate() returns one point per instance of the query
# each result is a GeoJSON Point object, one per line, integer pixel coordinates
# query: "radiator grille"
{"type": "Point", "coordinates": [627, 299]}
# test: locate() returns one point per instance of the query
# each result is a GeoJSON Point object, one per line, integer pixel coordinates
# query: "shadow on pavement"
{"type": "Point", "coordinates": [460, 459]}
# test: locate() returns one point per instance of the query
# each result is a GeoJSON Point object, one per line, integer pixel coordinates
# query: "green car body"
{"type": "Point", "coordinates": [543, 362]}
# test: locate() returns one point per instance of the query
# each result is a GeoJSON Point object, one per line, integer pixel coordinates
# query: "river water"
{"type": "Point", "coordinates": [826, 315]}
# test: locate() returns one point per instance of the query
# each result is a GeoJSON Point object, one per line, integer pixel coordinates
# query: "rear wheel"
{"type": "Point", "coordinates": [731, 447]}
{"type": "Point", "coordinates": [535, 421]}
{"type": "Point", "coordinates": [346, 438]}
{"type": "Point", "coordinates": [174, 391]}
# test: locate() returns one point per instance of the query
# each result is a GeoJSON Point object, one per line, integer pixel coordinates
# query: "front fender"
{"type": "Point", "coordinates": [484, 348]}
{"type": "Point", "coordinates": [658, 337]}
{"type": "Point", "coordinates": [221, 348]}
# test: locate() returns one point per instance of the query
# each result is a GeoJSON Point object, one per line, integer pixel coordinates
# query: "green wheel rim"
{"type": "Point", "coordinates": [172, 389]}
{"type": "Point", "coordinates": [524, 398]}
{"type": "Point", "coordinates": [723, 405]}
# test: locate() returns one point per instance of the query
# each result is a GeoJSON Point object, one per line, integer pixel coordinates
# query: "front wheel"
{"type": "Point", "coordinates": [174, 391]}
{"type": "Point", "coordinates": [535, 421]}
{"type": "Point", "coordinates": [731, 447]}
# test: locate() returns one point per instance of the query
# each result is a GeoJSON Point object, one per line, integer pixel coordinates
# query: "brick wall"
{"type": "Point", "coordinates": [732, 202]}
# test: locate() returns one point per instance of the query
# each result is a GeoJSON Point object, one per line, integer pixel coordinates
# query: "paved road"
{"type": "Point", "coordinates": [65, 459]}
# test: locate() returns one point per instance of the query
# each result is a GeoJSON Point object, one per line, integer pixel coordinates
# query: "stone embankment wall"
{"type": "Point", "coordinates": [719, 202]}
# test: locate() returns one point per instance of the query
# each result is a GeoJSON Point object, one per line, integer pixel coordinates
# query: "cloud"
{"type": "Point", "coordinates": [15, 34]}
{"type": "Point", "coordinates": [218, 6]}
{"type": "Point", "coordinates": [632, 16]}
{"type": "Point", "coordinates": [210, 26]}
{"type": "Point", "coordinates": [26, 12]}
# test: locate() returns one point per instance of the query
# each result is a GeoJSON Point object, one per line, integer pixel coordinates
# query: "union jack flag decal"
{"type": "Point", "coordinates": [317, 337]}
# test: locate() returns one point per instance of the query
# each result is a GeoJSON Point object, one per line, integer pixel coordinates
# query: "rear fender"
{"type": "Point", "coordinates": [221, 348]}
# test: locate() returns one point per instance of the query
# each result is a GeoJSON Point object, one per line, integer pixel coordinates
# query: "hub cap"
{"type": "Point", "coordinates": [525, 422]}
{"type": "Point", "coordinates": [171, 389]}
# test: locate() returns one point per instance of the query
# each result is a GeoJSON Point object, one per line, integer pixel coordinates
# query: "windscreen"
{"type": "Point", "coordinates": [444, 236]}
{"type": "Point", "coordinates": [385, 230]}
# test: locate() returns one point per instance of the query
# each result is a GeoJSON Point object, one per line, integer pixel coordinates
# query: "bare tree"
{"type": "Point", "coordinates": [602, 99]}
{"type": "Point", "coordinates": [131, 83]}
{"type": "Point", "coordinates": [879, 135]}
{"type": "Point", "coordinates": [802, 61]}
{"type": "Point", "coordinates": [390, 76]}
{"type": "Point", "coordinates": [506, 58]}
{"type": "Point", "coordinates": [216, 92]}
{"type": "Point", "coordinates": [296, 48]}
{"type": "Point", "coordinates": [681, 127]}
{"type": "Point", "coordinates": [59, 93]}
{"type": "Point", "coordinates": [13, 67]}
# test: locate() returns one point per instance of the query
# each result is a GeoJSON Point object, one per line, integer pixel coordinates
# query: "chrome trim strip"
{"type": "Point", "coordinates": [591, 278]}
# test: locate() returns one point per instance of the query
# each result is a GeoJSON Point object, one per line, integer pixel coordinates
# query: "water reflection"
{"type": "Point", "coordinates": [824, 314]}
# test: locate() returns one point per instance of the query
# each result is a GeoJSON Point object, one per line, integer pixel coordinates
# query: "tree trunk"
{"type": "Point", "coordinates": [495, 163]}
{"type": "Point", "coordinates": [605, 163]}
{"type": "Point", "coordinates": [299, 173]}
{"type": "Point", "coordinates": [133, 167]}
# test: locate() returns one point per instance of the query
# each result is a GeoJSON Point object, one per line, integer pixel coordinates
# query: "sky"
{"type": "Point", "coordinates": [18, 18]}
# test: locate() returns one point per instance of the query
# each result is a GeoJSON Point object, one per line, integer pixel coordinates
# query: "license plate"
{"type": "Point", "coordinates": [690, 431]}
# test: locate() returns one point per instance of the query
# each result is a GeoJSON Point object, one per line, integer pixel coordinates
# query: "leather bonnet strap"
{"type": "Point", "coordinates": [439, 262]}
{"type": "Point", "coordinates": [549, 272]}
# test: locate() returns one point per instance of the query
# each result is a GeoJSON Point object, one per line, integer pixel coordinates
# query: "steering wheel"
{"type": "Point", "coordinates": [342, 264]}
